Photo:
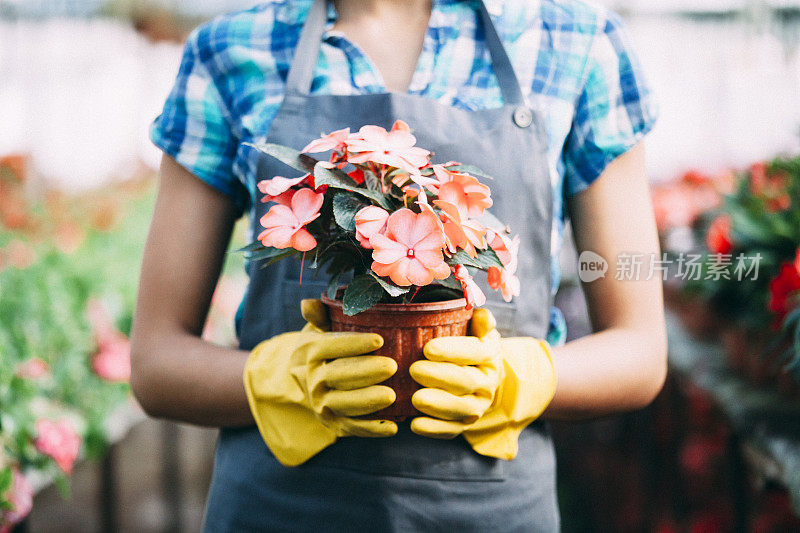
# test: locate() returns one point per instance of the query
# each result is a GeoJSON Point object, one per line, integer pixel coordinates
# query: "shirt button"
{"type": "Point", "coordinates": [523, 117]}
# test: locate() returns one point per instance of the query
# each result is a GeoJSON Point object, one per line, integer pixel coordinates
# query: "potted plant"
{"type": "Point", "coordinates": [408, 232]}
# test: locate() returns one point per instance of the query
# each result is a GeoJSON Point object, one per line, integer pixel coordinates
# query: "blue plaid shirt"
{"type": "Point", "coordinates": [574, 62]}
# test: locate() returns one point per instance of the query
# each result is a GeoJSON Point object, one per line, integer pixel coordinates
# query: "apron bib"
{"type": "Point", "coordinates": [407, 482]}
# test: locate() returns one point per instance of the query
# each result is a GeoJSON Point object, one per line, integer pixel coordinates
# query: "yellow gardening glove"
{"type": "Point", "coordinates": [305, 386]}
{"type": "Point", "coordinates": [483, 387]}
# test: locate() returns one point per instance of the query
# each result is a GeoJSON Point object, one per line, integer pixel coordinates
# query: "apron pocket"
{"type": "Point", "coordinates": [409, 455]}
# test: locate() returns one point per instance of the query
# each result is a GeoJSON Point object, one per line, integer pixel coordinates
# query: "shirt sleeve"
{"type": "Point", "coordinates": [614, 110]}
{"type": "Point", "coordinates": [194, 127]}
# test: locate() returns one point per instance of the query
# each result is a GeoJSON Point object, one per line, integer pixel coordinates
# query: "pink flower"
{"type": "Point", "coordinates": [464, 191]}
{"type": "Point", "coordinates": [20, 254]}
{"type": "Point", "coordinates": [278, 185]}
{"type": "Point", "coordinates": [58, 440]}
{"type": "Point", "coordinates": [369, 221]}
{"type": "Point", "coordinates": [473, 294]}
{"type": "Point", "coordinates": [285, 224]}
{"type": "Point", "coordinates": [113, 361]}
{"type": "Point", "coordinates": [100, 320]}
{"type": "Point", "coordinates": [20, 496]}
{"type": "Point", "coordinates": [505, 278]}
{"type": "Point", "coordinates": [332, 141]}
{"type": "Point", "coordinates": [506, 281]}
{"type": "Point", "coordinates": [394, 148]}
{"type": "Point", "coordinates": [33, 368]}
{"type": "Point", "coordinates": [506, 250]}
{"type": "Point", "coordinates": [411, 250]}
{"type": "Point", "coordinates": [460, 232]}
{"type": "Point", "coordinates": [279, 189]}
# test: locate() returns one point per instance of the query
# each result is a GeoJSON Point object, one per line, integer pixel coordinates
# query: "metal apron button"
{"type": "Point", "coordinates": [523, 117]}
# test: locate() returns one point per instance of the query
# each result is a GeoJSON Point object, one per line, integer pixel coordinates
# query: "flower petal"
{"type": "Point", "coordinates": [400, 125]}
{"type": "Point", "coordinates": [303, 241]}
{"type": "Point", "coordinates": [418, 274]}
{"type": "Point", "coordinates": [277, 237]}
{"type": "Point", "coordinates": [279, 215]}
{"type": "Point", "coordinates": [278, 185]}
{"type": "Point", "coordinates": [373, 134]}
{"type": "Point", "coordinates": [386, 250]}
{"type": "Point", "coordinates": [400, 226]}
{"type": "Point", "coordinates": [306, 204]}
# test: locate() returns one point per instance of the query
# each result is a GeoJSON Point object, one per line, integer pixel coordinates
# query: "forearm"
{"type": "Point", "coordinates": [182, 377]}
{"type": "Point", "coordinates": [612, 371]}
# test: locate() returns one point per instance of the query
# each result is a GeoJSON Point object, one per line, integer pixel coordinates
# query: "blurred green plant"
{"type": "Point", "coordinates": [68, 278]}
{"type": "Point", "coordinates": [69, 268]}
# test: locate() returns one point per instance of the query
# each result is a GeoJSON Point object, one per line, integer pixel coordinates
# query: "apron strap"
{"type": "Point", "coordinates": [301, 73]}
{"type": "Point", "coordinates": [306, 54]}
{"type": "Point", "coordinates": [501, 63]}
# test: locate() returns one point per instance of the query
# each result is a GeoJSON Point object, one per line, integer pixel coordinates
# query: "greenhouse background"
{"type": "Point", "coordinates": [80, 83]}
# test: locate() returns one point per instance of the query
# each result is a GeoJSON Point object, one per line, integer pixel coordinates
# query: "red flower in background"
{"type": "Point", "coordinates": [696, 177]}
{"type": "Point", "coordinates": [59, 440]}
{"type": "Point", "coordinates": [20, 496]}
{"type": "Point", "coordinates": [718, 238]}
{"type": "Point", "coordinates": [34, 368]}
{"type": "Point", "coordinates": [783, 287]}
{"type": "Point", "coordinates": [112, 361]}
{"type": "Point", "coordinates": [770, 187]}
{"type": "Point", "coordinates": [677, 204]}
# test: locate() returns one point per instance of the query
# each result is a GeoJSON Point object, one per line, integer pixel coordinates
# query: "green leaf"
{"type": "Point", "coordinates": [371, 180]}
{"type": "Point", "coordinates": [286, 155]}
{"type": "Point", "coordinates": [791, 318]}
{"type": "Point", "coordinates": [333, 177]}
{"type": "Point", "coordinates": [361, 294]}
{"type": "Point", "coordinates": [345, 207]}
{"type": "Point", "coordinates": [62, 484]}
{"type": "Point", "coordinates": [470, 169]}
{"type": "Point", "coordinates": [746, 226]}
{"type": "Point", "coordinates": [333, 285]}
{"type": "Point", "coordinates": [486, 258]}
{"type": "Point", "coordinates": [450, 283]}
{"type": "Point", "coordinates": [6, 477]}
{"type": "Point", "coordinates": [391, 289]}
{"type": "Point", "coordinates": [282, 255]}
{"type": "Point", "coordinates": [466, 169]}
{"type": "Point", "coordinates": [266, 253]}
{"type": "Point", "coordinates": [252, 247]}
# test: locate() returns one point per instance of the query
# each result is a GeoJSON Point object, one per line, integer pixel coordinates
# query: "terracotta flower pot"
{"type": "Point", "coordinates": [405, 329]}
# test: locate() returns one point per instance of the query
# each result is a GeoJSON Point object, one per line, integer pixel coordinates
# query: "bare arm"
{"type": "Point", "coordinates": [176, 374]}
{"type": "Point", "coordinates": [623, 365]}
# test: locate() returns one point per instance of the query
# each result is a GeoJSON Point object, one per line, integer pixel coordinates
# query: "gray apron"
{"type": "Point", "coordinates": [407, 482]}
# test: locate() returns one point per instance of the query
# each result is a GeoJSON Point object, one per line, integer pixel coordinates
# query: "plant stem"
{"type": "Point", "coordinates": [413, 295]}
{"type": "Point", "coordinates": [302, 264]}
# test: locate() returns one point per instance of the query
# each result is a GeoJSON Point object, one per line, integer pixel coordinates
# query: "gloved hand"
{"type": "Point", "coordinates": [484, 387]}
{"type": "Point", "coordinates": [304, 387]}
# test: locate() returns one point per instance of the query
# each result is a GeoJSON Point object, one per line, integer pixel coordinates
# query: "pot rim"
{"type": "Point", "coordinates": [422, 307]}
